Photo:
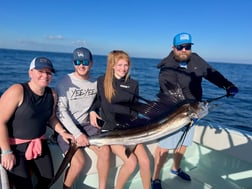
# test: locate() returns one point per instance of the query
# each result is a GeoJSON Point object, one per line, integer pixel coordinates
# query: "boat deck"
{"type": "Point", "coordinates": [208, 170]}
{"type": "Point", "coordinates": [228, 166]}
{"type": "Point", "coordinates": [212, 171]}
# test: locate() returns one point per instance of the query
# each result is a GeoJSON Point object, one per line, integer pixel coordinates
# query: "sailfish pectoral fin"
{"type": "Point", "coordinates": [129, 150]}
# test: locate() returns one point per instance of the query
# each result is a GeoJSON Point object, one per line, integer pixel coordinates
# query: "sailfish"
{"type": "Point", "coordinates": [156, 119]}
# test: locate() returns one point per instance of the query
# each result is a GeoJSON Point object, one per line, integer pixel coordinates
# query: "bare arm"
{"type": "Point", "coordinates": [10, 100]}
{"type": "Point", "coordinates": [56, 125]}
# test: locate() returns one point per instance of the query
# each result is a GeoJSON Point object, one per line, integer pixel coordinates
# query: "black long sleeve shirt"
{"type": "Point", "coordinates": [189, 79]}
{"type": "Point", "coordinates": [125, 91]}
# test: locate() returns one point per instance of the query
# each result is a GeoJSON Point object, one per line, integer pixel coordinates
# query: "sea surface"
{"type": "Point", "coordinates": [233, 112]}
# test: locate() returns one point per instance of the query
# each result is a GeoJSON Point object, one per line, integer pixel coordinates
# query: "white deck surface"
{"type": "Point", "coordinates": [212, 171]}
{"type": "Point", "coordinates": [209, 169]}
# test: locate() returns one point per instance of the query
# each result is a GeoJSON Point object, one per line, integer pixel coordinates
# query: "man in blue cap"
{"type": "Point", "coordinates": [182, 70]}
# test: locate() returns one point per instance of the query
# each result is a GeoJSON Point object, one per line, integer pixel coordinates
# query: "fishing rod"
{"type": "Point", "coordinates": [148, 101]}
{"type": "Point", "coordinates": [182, 138]}
{"type": "Point", "coordinates": [214, 99]}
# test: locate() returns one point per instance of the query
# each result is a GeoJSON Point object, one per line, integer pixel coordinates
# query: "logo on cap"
{"type": "Point", "coordinates": [184, 37]}
{"type": "Point", "coordinates": [80, 54]}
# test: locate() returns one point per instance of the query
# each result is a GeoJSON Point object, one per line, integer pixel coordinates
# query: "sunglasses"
{"type": "Point", "coordinates": [79, 62]}
{"type": "Point", "coordinates": [180, 47]}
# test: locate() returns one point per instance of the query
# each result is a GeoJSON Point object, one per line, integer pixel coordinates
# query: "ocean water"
{"type": "Point", "coordinates": [230, 112]}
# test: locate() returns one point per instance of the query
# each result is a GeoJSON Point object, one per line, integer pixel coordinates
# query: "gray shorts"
{"type": "Point", "coordinates": [171, 141]}
{"type": "Point", "coordinates": [87, 129]}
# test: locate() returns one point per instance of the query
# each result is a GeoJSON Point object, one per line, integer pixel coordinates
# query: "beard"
{"type": "Point", "coordinates": [183, 57]}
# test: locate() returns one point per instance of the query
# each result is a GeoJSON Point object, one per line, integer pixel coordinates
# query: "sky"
{"type": "Point", "coordinates": [221, 29]}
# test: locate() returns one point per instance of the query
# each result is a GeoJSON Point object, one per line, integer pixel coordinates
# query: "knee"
{"type": "Point", "coordinates": [78, 161]}
{"type": "Point", "coordinates": [144, 166]}
{"type": "Point", "coordinates": [161, 151]}
{"type": "Point", "coordinates": [131, 163]}
{"type": "Point", "coordinates": [104, 153]}
{"type": "Point", "coordinates": [144, 162]}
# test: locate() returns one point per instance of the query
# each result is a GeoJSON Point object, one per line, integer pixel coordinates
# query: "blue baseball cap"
{"type": "Point", "coordinates": [82, 54]}
{"type": "Point", "coordinates": [39, 63]}
{"type": "Point", "coordinates": [182, 38]}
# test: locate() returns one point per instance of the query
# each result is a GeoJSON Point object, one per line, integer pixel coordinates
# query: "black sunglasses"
{"type": "Point", "coordinates": [83, 62]}
{"type": "Point", "coordinates": [180, 47]}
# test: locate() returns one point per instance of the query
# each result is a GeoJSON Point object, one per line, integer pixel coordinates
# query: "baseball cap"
{"type": "Point", "coordinates": [82, 54]}
{"type": "Point", "coordinates": [182, 38]}
{"type": "Point", "coordinates": [40, 63]}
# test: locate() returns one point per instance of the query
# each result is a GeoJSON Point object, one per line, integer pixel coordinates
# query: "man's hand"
{"type": "Point", "coordinates": [82, 140]}
{"type": "Point", "coordinates": [67, 136]}
{"type": "Point", "coordinates": [232, 91]}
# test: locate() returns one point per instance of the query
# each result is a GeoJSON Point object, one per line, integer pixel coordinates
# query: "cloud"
{"type": "Point", "coordinates": [80, 43]}
{"type": "Point", "coordinates": [57, 37]}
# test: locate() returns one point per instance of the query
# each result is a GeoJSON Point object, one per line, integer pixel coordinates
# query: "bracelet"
{"type": "Point", "coordinates": [5, 152]}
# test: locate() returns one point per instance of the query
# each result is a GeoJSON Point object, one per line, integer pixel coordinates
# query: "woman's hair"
{"type": "Point", "coordinates": [113, 58]}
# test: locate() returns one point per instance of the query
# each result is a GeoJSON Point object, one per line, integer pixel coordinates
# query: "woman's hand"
{"type": "Point", "coordinates": [8, 161]}
{"type": "Point", "coordinates": [94, 117]}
